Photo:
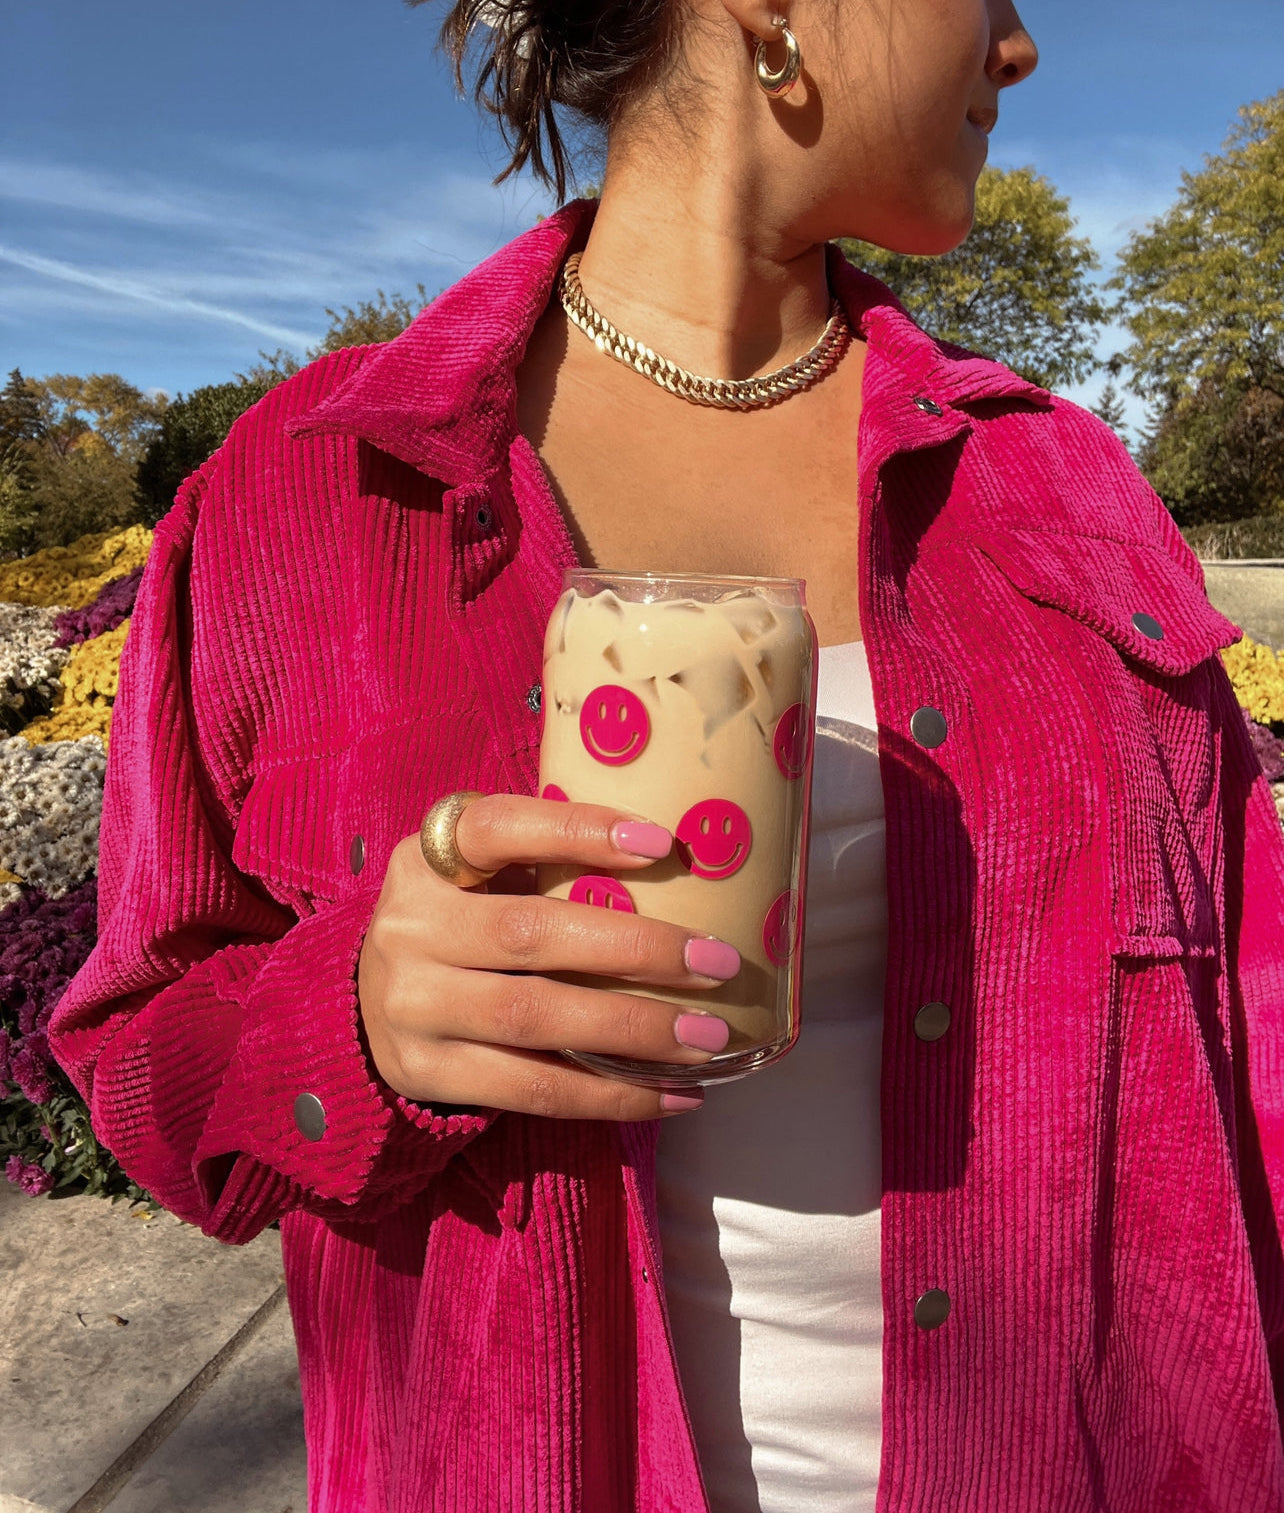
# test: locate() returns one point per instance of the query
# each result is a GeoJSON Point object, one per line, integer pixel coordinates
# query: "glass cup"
{"type": "Point", "coordinates": [690, 701]}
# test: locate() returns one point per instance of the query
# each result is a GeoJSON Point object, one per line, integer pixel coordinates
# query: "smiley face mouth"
{"type": "Point", "coordinates": [598, 748]}
{"type": "Point", "coordinates": [702, 867]}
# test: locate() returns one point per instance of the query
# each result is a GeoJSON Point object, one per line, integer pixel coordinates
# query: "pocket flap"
{"type": "Point", "coordinates": [1136, 596]}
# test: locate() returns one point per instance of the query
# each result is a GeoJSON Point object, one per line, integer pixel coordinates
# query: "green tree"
{"type": "Point", "coordinates": [1202, 295]}
{"type": "Point", "coordinates": [376, 320]}
{"type": "Point", "coordinates": [1016, 289]}
{"type": "Point", "coordinates": [1203, 285]}
{"type": "Point", "coordinates": [20, 430]}
{"type": "Point", "coordinates": [1110, 407]}
{"type": "Point", "coordinates": [1217, 454]}
{"type": "Point", "coordinates": [68, 453]}
{"type": "Point", "coordinates": [103, 405]}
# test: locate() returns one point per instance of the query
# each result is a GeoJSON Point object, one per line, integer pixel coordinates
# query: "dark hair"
{"type": "Point", "coordinates": [589, 57]}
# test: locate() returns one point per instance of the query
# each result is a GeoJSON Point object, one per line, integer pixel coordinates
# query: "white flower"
{"type": "Point", "coordinates": [50, 806]}
{"type": "Point", "coordinates": [30, 663]}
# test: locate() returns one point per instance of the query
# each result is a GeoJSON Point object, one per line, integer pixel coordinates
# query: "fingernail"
{"type": "Point", "coordinates": [639, 838]}
{"type": "Point", "coordinates": [711, 958]}
{"type": "Point", "coordinates": [701, 1032]}
{"type": "Point", "coordinates": [681, 1103]}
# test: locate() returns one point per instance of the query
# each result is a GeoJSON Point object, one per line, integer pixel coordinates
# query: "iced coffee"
{"type": "Point", "coordinates": [690, 701]}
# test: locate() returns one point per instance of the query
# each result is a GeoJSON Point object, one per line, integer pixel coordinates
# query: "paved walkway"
{"type": "Point", "coordinates": [146, 1369]}
{"type": "Point", "coordinates": [1251, 594]}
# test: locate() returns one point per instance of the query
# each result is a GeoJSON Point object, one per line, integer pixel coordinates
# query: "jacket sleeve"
{"type": "Point", "coordinates": [206, 1008]}
{"type": "Point", "coordinates": [1255, 960]}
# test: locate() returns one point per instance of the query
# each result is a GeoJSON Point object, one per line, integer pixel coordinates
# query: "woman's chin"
{"type": "Point", "coordinates": [925, 236]}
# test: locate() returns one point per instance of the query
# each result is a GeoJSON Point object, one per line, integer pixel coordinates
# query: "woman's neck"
{"type": "Point", "coordinates": [696, 263]}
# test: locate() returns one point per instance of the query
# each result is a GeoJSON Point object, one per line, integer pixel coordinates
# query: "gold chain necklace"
{"type": "Point", "coordinates": [725, 393]}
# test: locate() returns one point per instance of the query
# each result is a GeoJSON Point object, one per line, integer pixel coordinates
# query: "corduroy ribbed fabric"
{"type": "Point", "coordinates": [1089, 872]}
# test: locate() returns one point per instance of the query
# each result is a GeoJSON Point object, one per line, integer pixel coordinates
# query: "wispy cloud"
{"type": "Point", "coordinates": [126, 289]}
{"type": "Point", "coordinates": [139, 199]}
{"type": "Point", "coordinates": [182, 269]}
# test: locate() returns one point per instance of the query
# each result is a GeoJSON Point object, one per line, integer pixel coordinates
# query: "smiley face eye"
{"type": "Point", "coordinates": [726, 826]}
{"type": "Point", "coordinates": [704, 825]}
{"type": "Point", "coordinates": [622, 712]}
{"type": "Point", "coordinates": [602, 893]}
{"type": "Point", "coordinates": [601, 710]}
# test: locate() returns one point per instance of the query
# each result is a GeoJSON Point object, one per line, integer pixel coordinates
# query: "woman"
{"type": "Point", "coordinates": [1002, 1233]}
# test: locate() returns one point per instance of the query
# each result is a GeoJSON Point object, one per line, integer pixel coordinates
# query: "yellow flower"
{"type": "Point", "coordinates": [82, 705]}
{"type": "Point", "coordinates": [71, 576]}
{"type": "Point", "coordinates": [1257, 676]}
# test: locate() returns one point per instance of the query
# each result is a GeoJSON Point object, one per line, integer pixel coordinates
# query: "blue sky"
{"type": "Point", "coordinates": [182, 185]}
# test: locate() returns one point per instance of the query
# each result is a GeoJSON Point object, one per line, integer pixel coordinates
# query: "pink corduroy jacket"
{"type": "Point", "coordinates": [342, 618]}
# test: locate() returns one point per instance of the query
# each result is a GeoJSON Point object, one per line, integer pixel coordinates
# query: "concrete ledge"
{"type": "Point", "coordinates": [1252, 595]}
{"type": "Point", "coordinates": [114, 1329]}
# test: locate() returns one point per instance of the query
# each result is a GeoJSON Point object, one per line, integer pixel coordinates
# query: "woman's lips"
{"type": "Point", "coordinates": [983, 120]}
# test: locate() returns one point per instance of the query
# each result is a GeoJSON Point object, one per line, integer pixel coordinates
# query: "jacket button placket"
{"type": "Point", "coordinates": [931, 729]}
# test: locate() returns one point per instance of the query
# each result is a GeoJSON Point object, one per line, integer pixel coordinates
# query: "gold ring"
{"type": "Point", "coordinates": [437, 840]}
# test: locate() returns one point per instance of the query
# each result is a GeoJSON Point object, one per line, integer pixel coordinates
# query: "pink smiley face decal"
{"type": "Point", "coordinates": [602, 893]}
{"type": "Point", "coordinates": [793, 738]}
{"type": "Point", "coordinates": [552, 791]}
{"type": "Point", "coordinates": [780, 928]}
{"type": "Point", "coordinates": [714, 837]}
{"type": "Point", "coordinates": [614, 725]}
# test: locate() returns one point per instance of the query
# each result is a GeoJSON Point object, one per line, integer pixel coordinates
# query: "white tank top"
{"type": "Point", "coordinates": [769, 1196]}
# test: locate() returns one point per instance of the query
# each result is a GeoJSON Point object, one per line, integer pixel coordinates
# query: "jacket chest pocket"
{"type": "Point", "coordinates": [284, 833]}
{"type": "Point", "coordinates": [318, 826]}
{"type": "Point", "coordinates": [1146, 641]}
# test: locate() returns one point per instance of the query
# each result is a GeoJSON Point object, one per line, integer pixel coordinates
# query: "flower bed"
{"type": "Point", "coordinates": [64, 616]}
{"type": "Point", "coordinates": [62, 627]}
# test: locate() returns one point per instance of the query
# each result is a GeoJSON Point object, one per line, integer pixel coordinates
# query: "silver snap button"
{"type": "Point", "coordinates": [1148, 626]}
{"type": "Point", "coordinates": [928, 406]}
{"type": "Point", "coordinates": [534, 697]}
{"type": "Point", "coordinates": [483, 517]}
{"type": "Point", "coordinates": [932, 1309]}
{"type": "Point", "coordinates": [645, 1276]}
{"type": "Point", "coordinates": [928, 727]}
{"type": "Point", "coordinates": [932, 1021]}
{"type": "Point", "coordinates": [357, 854]}
{"type": "Point", "coordinates": [309, 1116]}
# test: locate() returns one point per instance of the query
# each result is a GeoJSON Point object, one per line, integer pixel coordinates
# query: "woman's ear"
{"type": "Point", "coordinates": [761, 18]}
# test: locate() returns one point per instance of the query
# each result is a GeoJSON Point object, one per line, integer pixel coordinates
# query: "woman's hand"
{"type": "Point", "coordinates": [453, 997]}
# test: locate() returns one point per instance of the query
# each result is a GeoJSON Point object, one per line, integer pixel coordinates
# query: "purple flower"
{"type": "Point", "coordinates": [29, 1068]}
{"type": "Point", "coordinates": [28, 1012]}
{"type": "Point", "coordinates": [6, 1052]}
{"type": "Point", "coordinates": [114, 604]}
{"type": "Point", "coordinates": [1269, 748]}
{"type": "Point", "coordinates": [43, 943]}
{"type": "Point", "coordinates": [28, 1176]}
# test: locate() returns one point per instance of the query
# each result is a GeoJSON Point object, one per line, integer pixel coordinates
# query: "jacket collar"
{"type": "Point", "coordinates": [441, 396]}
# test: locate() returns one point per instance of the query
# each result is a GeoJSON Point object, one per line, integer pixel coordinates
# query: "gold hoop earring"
{"type": "Point", "coordinates": [783, 80]}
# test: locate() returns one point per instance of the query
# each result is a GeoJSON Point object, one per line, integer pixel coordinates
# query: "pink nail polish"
{"type": "Point", "coordinates": [701, 1032]}
{"type": "Point", "coordinates": [712, 958]}
{"type": "Point", "coordinates": [680, 1103]}
{"type": "Point", "coordinates": [639, 838]}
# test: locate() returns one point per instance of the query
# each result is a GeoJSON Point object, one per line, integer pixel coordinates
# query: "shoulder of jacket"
{"type": "Point", "coordinates": [1098, 487]}
{"type": "Point", "coordinates": [260, 433]}
{"type": "Point", "coordinates": [266, 420]}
